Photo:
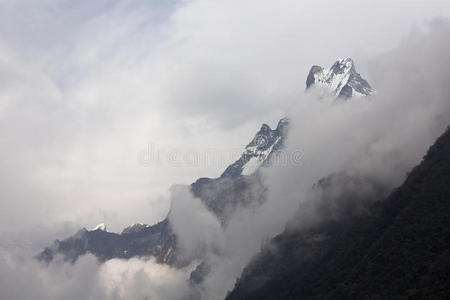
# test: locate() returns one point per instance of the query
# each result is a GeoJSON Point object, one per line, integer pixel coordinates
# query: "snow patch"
{"type": "Point", "coordinates": [100, 226]}
{"type": "Point", "coordinates": [257, 159]}
{"type": "Point", "coordinates": [341, 74]}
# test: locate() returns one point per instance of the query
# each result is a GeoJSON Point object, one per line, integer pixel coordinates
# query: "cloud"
{"type": "Point", "coordinates": [376, 141]}
{"type": "Point", "coordinates": [196, 227]}
{"type": "Point", "coordinates": [24, 278]}
{"type": "Point", "coordinates": [138, 279]}
{"type": "Point", "coordinates": [85, 87]}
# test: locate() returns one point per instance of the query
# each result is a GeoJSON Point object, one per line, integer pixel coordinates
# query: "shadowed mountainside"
{"type": "Point", "coordinates": [399, 249]}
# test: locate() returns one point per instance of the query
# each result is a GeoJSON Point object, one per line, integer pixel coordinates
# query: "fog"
{"type": "Point", "coordinates": [88, 90]}
{"type": "Point", "coordinates": [380, 138]}
{"type": "Point", "coordinates": [88, 87]}
{"type": "Point", "coordinates": [25, 278]}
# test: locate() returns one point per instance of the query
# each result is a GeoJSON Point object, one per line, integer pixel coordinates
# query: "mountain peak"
{"type": "Point", "coordinates": [343, 65]}
{"type": "Point", "coordinates": [341, 79]}
{"type": "Point", "coordinates": [282, 125]}
{"type": "Point", "coordinates": [265, 128]}
{"type": "Point", "coordinates": [258, 150]}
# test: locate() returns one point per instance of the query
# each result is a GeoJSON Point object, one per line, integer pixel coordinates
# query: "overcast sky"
{"type": "Point", "coordinates": [105, 104]}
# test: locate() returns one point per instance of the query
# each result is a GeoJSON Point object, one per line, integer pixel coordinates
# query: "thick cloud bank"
{"type": "Point", "coordinates": [24, 278]}
{"type": "Point", "coordinates": [381, 137]}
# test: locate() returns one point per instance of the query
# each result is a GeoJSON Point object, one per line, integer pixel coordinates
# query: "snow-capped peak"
{"type": "Point", "coordinates": [258, 151]}
{"type": "Point", "coordinates": [341, 80]}
{"type": "Point", "coordinates": [100, 226]}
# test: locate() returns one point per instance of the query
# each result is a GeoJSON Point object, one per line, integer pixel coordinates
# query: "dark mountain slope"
{"type": "Point", "coordinates": [157, 240]}
{"type": "Point", "coordinates": [399, 250]}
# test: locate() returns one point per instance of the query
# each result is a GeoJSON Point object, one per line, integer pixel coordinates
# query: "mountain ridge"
{"type": "Point", "coordinates": [222, 195]}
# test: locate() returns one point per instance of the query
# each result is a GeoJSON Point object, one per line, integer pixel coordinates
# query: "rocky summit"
{"type": "Point", "coordinates": [341, 80]}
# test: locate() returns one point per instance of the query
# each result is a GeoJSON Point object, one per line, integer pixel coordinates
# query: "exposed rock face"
{"type": "Point", "coordinates": [258, 152]}
{"type": "Point", "coordinates": [311, 79]}
{"type": "Point", "coordinates": [157, 240]}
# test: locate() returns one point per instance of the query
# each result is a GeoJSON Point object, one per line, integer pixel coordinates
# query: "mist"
{"type": "Point", "coordinates": [25, 278]}
{"type": "Point", "coordinates": [380, 138]}
{"type": "Point", "coordinates": [87, 89]}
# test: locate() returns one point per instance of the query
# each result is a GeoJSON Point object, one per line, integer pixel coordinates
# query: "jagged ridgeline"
{"type": "Point", "coordinates": [222, 195]}
{"type": "Point", "coordinates": [341, 80]}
